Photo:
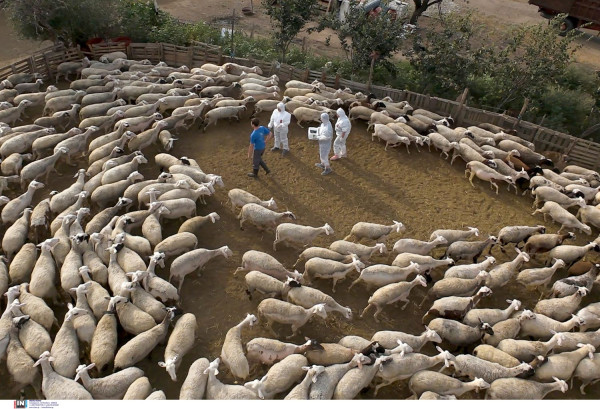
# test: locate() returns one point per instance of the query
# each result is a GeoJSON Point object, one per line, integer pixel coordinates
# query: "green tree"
{"type": "Point", "coordinates": [70, 21]}
{"type": "Point", "coordinates": [447, 58]}
{"type": "Point", "coordinates": [288, 18]}
{"type": "Point", "coordinates": [534, 58]}
{"type": "Point", "coordinates": [366, 38]}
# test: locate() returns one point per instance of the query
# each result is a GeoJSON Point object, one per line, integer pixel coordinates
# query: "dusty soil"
{"type": "Point", "coordinates": [420, 189]}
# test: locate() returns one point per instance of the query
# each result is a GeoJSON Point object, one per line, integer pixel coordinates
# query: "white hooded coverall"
{"type": "Point", "coordinates": [280, 120]}
{"type": "Point", "coordinates": [342, 130]}
{"type": "Point", "coordinates": [325, 136]}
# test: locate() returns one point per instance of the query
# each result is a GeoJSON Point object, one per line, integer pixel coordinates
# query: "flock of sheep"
{"type": "Point", "coordinates": [102, 259]}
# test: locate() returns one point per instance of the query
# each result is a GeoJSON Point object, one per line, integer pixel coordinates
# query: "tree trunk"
{"type": "Point", "coordinates": [369, 83]}
{"type": "Point", "coordinates": [420, 7]}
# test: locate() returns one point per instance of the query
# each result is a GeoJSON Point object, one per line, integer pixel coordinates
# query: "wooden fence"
{"type": "Point", "coordinates": [581, 152]}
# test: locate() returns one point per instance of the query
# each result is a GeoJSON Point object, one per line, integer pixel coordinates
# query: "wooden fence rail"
{"type": "Point", "coordinates": [581, 152]}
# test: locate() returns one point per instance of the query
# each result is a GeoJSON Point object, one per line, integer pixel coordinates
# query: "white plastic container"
{"type": "Point", "coordinates": [313, 133]}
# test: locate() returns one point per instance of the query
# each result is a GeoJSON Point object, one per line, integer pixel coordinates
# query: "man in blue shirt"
{"type": "Point", "coordinates": [257, 147]}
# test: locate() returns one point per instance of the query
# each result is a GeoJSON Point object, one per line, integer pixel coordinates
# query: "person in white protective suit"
{"type": "Point", "coordinates": [342, 130]}
{"type": "Point", "coordinates": [280, 120]}
{"type": "Point", "coordinates": [325, 135]}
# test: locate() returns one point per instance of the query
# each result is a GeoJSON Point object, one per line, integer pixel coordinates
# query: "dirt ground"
{"type": "Point", "coordinates": [420, 189]}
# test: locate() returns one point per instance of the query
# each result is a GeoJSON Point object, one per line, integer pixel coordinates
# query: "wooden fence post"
{"type": "Point", "coordinates": [190, 53]}
{"type": "Point", "coordinates": [31, 64]}
{"type": "Point", "coordinates": [461, 107]}
{"type": "Point", "coordinates": [523, 109]}
{"type": "Point", "coordinates": [305, 76]}
{"type": "Point", "coordinates": [337, 80]}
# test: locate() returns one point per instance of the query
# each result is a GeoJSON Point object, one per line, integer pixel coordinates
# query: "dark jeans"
{"type": "Point", "coordinates": [257, 160]}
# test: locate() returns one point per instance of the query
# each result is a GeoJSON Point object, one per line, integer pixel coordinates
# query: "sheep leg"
{"type": "Point", "coordinates": [496, 186]}
{"type": "Point", "coordinates": [237, 270]}
{"type": "Point", "coordinates": [365, 310]}
{"type": "Point", "coordinates": [180, 285]}
{"type": "Point", "coordinates": [405, 304]}
{"type": "Point", "coordinates": [354, 283]}
{"type": "Point", "coordinates": [407, 151]}
{"type": "Point", "coordinates": [379, 309]}
{"type": "Point", "coordinates": [424, 299]}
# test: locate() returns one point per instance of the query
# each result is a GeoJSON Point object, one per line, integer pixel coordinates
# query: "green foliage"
{"type": "Point", "coordinates": [565, 110]}
{"type": "Point", "coordinates": [72, 21]}
{"type": "Point", "coordinates": [446, 58]}
{"type": "Point", "coordinates": [288, 18]}
{"type": "Point", "coordinates": [367, 38]}
{"type": "Point", "coordinates": [534, 58]}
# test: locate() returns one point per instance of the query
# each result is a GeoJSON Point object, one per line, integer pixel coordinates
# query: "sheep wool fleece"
{"type": "Point", "coordinates": [326, 133]}
{"type": "Point", "coordinates": [342, 130]}
{"type": "Point", "coordinates": [280, 120]}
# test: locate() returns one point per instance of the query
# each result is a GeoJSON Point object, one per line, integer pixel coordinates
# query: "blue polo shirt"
{"type": "Point", "coordinates": [257, 137]}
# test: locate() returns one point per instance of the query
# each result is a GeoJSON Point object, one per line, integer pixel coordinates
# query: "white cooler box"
{"type": "Point", "coordinates": [313, 133]}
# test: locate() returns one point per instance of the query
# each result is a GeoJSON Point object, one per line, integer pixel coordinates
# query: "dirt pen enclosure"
{"type": "Point", "coordinates": [421, 190]}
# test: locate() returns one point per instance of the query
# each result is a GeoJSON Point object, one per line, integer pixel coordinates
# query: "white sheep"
{"type": "Point", "coordinates": [417, 246]}
{"type": "Point", "coordinates": [373, 231]}
{"type": "Point", "coordinates": [239, 198]}
{"type": "Point", "coordinates": [265, 263]}
{"type": "Point", "coordinates": [280, 377]}
{"type": "Point", "coordinates": [459, 334]}
{"type": "Point", "coordinates": [232, 352]}
{"type": "Point", "coordinates": [139, 389]}
{"type": "Point", "coordinates": [194, 386]}
{"type": "Point", "coordinates": [104, 342]}
{"type": "Point", "coordinates": [217, 390]}
{"type": "Point", "coordinates": [56, 386]}
{"type": "Point", "coordinates": [194, 260]}
{"type": "Point", "coordinates": [16, 235]}
{"type": "Point", "coordinates": [180, 342]}
{"type": "Point", "coordinates": [379, 275]}
{"type": "Point", "coordinates": [360, 250]}
{"type": "Point", "coordinates": [455, 235]}
{"type": "Point", "coordinates": [403, 366]}
{"type": "Point", "coordinates": [470, 270]}
{"type": "Point", "coordinates": [308, 297]}
{"type": "Point", "coordinates": [12, 210]}
{"type": "Point", "coordinates": [66, 345]}
{"type": "Point", "coordinates": [110, 387]}
{"type": "Point", "coordinates": [293, 234]}
{"type": "Point", "coordinates": [485, 173]}
{"type": "Point", "coordinates": [514, 388]}
{"type": "Point", "coordinates": [563, 217]}
{"type": "Point", "coordinates": [392, 293]}
{"type": "Point", "coordinates": [213, 116]}
{"type": "Point", "coordinates": [261, 217]}
{"type": "Point", "coordinates": [330, 269]}
{"type": "Point", "coordinates": [141, 345]}
{"type": "Point", "coordinates": [424, 381]}
{"type": "Point", "coordinates": [285, 313]}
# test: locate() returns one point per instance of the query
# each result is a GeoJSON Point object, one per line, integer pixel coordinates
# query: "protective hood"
{"type": "Point", "coordinates": [324, 118]}
{"type": "Point", "coordinates": [281, 107]}
{"type": "Point", "coordinates": [340, 112]}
